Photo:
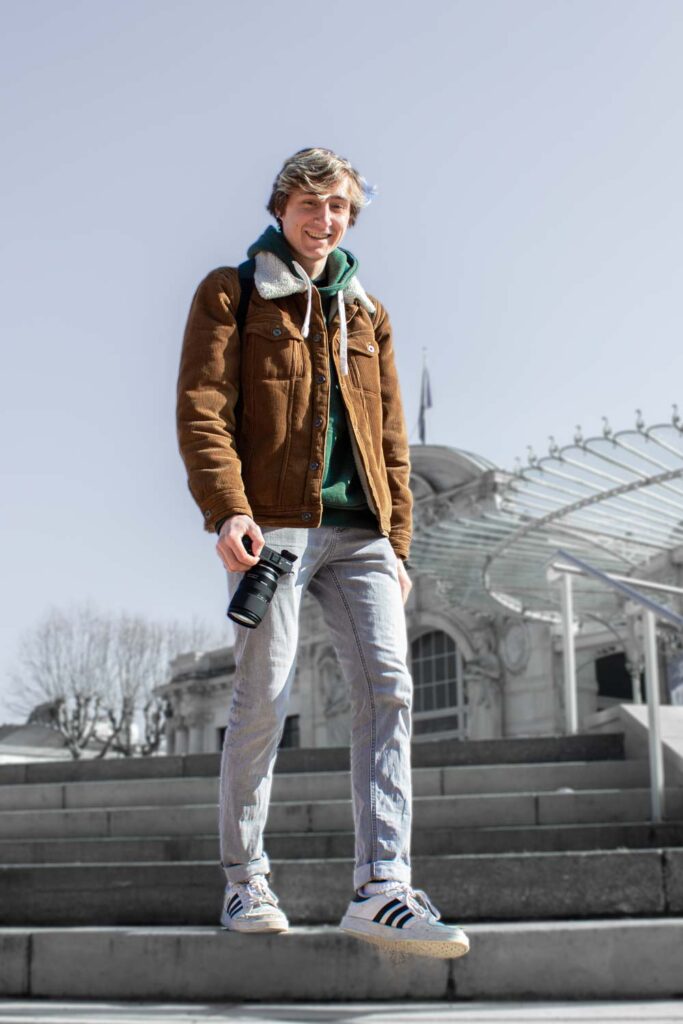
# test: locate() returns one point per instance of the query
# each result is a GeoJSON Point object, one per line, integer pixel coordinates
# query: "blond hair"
{"type": "Point", "coordinates": [317, 170]}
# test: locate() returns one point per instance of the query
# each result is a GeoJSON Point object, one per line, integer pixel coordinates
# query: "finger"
{"type": "Point", "coordinates": [257, 540]}
{"type": "Point", "coordinates": [231, 563]}
{"type": "Point", "coordinates": [231, 559]}
{"type": "Point", "coordinates": [241, 556]}
{"type": "Point", "coordinates": [244, 562]}
{"type": "Point", "coordinates": [235, 545]}
{"type": "Point", "coordinates": [222, 554]}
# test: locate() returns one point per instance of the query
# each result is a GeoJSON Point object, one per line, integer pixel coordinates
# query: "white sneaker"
{"type": "Point", "coordinates": [403, 918]}
{"type": "Point", "coordinates": [252, 907]}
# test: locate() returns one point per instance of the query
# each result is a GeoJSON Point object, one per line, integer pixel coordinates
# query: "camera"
{"type": "Point", "coordinates": [258, 585]}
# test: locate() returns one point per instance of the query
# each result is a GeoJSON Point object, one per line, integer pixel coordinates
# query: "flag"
{"type": "Point", "coordinates": [425, 402]}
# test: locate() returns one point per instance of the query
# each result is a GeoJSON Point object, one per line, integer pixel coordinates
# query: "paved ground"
{"type": "Point", "coordinates": [50, 1012]}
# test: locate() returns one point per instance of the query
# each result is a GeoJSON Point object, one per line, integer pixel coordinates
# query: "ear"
{"type": "Point", "coordinates": [280, 208]}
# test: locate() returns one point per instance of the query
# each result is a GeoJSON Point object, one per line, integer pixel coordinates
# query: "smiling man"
{"type": "Point", "coordinates": [291, 427]}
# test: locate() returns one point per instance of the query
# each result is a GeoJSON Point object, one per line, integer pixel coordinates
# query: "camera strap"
{"type": "Point", "coordinates": [245, 273]}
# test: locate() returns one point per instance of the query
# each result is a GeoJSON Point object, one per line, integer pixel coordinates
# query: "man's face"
{"type": "Point", "coordinates": [315, 225]}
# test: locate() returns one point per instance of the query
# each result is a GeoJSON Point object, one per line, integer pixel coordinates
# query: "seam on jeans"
{"type": "Point", "coordinates": [373, 722]}
{"type": "Point", "coordinates": [332, 543]}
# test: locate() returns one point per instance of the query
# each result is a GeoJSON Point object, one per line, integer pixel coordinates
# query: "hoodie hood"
{"type": "Point", "coordinates": [278, 274]}
{"type": "Point", "coordinates": [341, 266]}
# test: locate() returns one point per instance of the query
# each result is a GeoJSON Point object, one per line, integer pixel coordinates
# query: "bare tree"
{"type": "Point", "coordinates": [141, 652]}
{"type": "Point", "coordinates": [64, 663]}
{"type": "Point", "coordinates": [97, 676]}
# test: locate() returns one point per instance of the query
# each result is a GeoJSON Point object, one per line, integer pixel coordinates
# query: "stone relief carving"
{"type": "Point", "coordinates": [483, 683]}
{"type": "Point", "coordinates": [515, 646]}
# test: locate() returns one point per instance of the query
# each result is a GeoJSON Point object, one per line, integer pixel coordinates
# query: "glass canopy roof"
{"type": "Point", "coordinates": [614, 500]}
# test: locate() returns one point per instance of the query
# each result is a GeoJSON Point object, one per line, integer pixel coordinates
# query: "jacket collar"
{"type": "Point", "coordinates": [274, 280]}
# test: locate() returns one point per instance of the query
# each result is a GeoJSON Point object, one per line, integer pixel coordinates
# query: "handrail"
{"type": "Point", "coordinates": [617, 583]}
{"type": "Point", "coordinates": [651, 610]}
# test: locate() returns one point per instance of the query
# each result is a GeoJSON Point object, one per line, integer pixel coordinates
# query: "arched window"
{"type": "Point", "coordinates": [439, 698]}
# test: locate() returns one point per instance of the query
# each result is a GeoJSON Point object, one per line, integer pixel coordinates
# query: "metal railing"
{"type": "Point", "coordinates": [651, 611]}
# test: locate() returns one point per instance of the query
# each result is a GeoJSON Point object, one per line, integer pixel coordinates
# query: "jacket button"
{"type": "Point", "coordinates": [318, 422]}
{"type": "Point", "coordinates": [277, 331]}
{"type": "Point", "coordinates": [317, 336]}
{"type": "Point", "coordinates": [320, 378]}
{"type": "Point", "coordinates": [315, 465]}
{"type": "Point", "coordinates": [371, 348]}
{"type": "Point", "coordinates": [306, 515]}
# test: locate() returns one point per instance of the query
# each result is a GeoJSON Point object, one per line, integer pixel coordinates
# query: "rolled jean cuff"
{"type": "Point", "coordinates": [243, 872]}
{"type": "Point", "coordinates": [381, 871]}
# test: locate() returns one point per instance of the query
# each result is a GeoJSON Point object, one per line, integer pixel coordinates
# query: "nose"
{"type": "Point", "coordinates": [324, 217]}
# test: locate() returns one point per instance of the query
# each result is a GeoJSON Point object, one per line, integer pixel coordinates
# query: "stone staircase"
{"type": "Point", "coordinates": [110, 886]}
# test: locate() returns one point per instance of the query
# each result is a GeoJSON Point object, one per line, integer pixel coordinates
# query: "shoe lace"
{"type": "Point", "coordinates": [260, 892]}
{"type": "Point", "coordinates": [418, 901]}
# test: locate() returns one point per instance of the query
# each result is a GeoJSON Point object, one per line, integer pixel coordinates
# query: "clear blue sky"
{"type": "Point", "coordinates": [527, 231]}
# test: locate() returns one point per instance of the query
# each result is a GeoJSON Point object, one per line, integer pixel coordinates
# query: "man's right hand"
{"type": "Point", "coordinates": [230, 548]}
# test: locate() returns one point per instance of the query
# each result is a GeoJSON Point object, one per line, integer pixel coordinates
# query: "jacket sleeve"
{"type": "Point", "coordinates": [394, 438]}
{"type": "Point", "coordinates": [208, 389]}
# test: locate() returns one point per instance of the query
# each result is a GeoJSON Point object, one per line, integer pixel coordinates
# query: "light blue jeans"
{"type": "Point", "coordinates": [352, 572]}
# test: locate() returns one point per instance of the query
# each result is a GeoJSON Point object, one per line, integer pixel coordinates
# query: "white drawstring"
{"type": "Point", "coordinates": [343, 345]}
{"type": "Point", "coordinates": [309, 296]}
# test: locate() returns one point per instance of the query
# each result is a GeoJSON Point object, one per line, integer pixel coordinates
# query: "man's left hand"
{"type": "Point", "coordinates": [403, 579]}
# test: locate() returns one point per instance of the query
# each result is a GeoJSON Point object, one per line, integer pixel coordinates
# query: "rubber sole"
{"type": "Point", "coordinates": [244, 924]}
{"type": "Point", "coordinates": [392, 938]}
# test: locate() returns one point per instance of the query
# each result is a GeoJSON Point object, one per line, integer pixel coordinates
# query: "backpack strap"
{"type": "Point", "coordinates": [246, 273]}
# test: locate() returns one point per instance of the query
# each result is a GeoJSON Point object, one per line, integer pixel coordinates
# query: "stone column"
{"type": "Point", "coordinates": [196, 739]}
{"type": "Point", "coordinates": [170, 740]}
{"type": "Point", "coordinates": [181, 737]}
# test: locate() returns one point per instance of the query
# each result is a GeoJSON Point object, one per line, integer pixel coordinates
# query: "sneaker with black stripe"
{"type": "Point", "coordinates": [404, 918]}
{"type": "Point", "coordinates": [252, 907]}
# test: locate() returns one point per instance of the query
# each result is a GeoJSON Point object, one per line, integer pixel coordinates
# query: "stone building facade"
{"type": "Point", "coordinates": [478, 674]}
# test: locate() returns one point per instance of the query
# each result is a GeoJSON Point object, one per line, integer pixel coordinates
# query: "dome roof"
{"type": "Point", "coordinates": [436, 468]}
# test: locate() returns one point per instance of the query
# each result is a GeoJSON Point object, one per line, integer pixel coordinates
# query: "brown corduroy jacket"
{"type": "Point", "coordinates": [252, 414]}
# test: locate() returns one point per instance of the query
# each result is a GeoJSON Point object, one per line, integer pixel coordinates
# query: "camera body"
{"type": "Point", "coordinates": [258, 585]}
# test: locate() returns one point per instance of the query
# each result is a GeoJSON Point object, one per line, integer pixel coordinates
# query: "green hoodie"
{"type": "Point", "coordinates": [344, 502]}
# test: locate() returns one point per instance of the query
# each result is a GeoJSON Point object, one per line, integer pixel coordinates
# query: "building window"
{"type": "Point", "coordinates": [439, 697]}
{"type": "Point", "coordinates": [290, 733]}
{"type": "Point", "coordinates": [614, 682]}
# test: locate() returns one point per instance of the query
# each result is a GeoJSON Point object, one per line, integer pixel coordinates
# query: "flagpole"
{"type": "Point", "coordinates": [425, 398]}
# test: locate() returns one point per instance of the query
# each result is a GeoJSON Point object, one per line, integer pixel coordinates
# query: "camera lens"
{"type": "Point", "coordinates": [253, 595]}
{"type": "Point", "coordinates": [258, 585]}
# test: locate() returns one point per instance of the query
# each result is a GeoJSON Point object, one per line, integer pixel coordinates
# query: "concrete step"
{"type": "Point", "coordinates": [482, 887]}
{"type": "Point", "coordinates": [430, 754]}
{"type": "Point", "coordinates": [315, 786]}
{"type": "Point", "coordinates": [377, 1011]}
{"type": "Point", "coordinates": [429, 812]}
{"type": "Point", "coordinates": [322, 845]}
{"type": "Point", "coordinates": [592, 959]}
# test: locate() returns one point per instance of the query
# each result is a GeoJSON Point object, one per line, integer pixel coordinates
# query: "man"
{"type": "Point", "coordinates": [292, 433]}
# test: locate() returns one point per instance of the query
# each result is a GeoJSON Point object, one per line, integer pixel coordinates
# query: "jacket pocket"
{"type": "Point", "coordinates": [363, 352]}
{"type": "Point", "coordinates": [274, 351]}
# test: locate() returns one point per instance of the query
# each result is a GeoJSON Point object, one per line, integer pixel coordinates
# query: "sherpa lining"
{"type": "Point", "coordinates": [274, 280]}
